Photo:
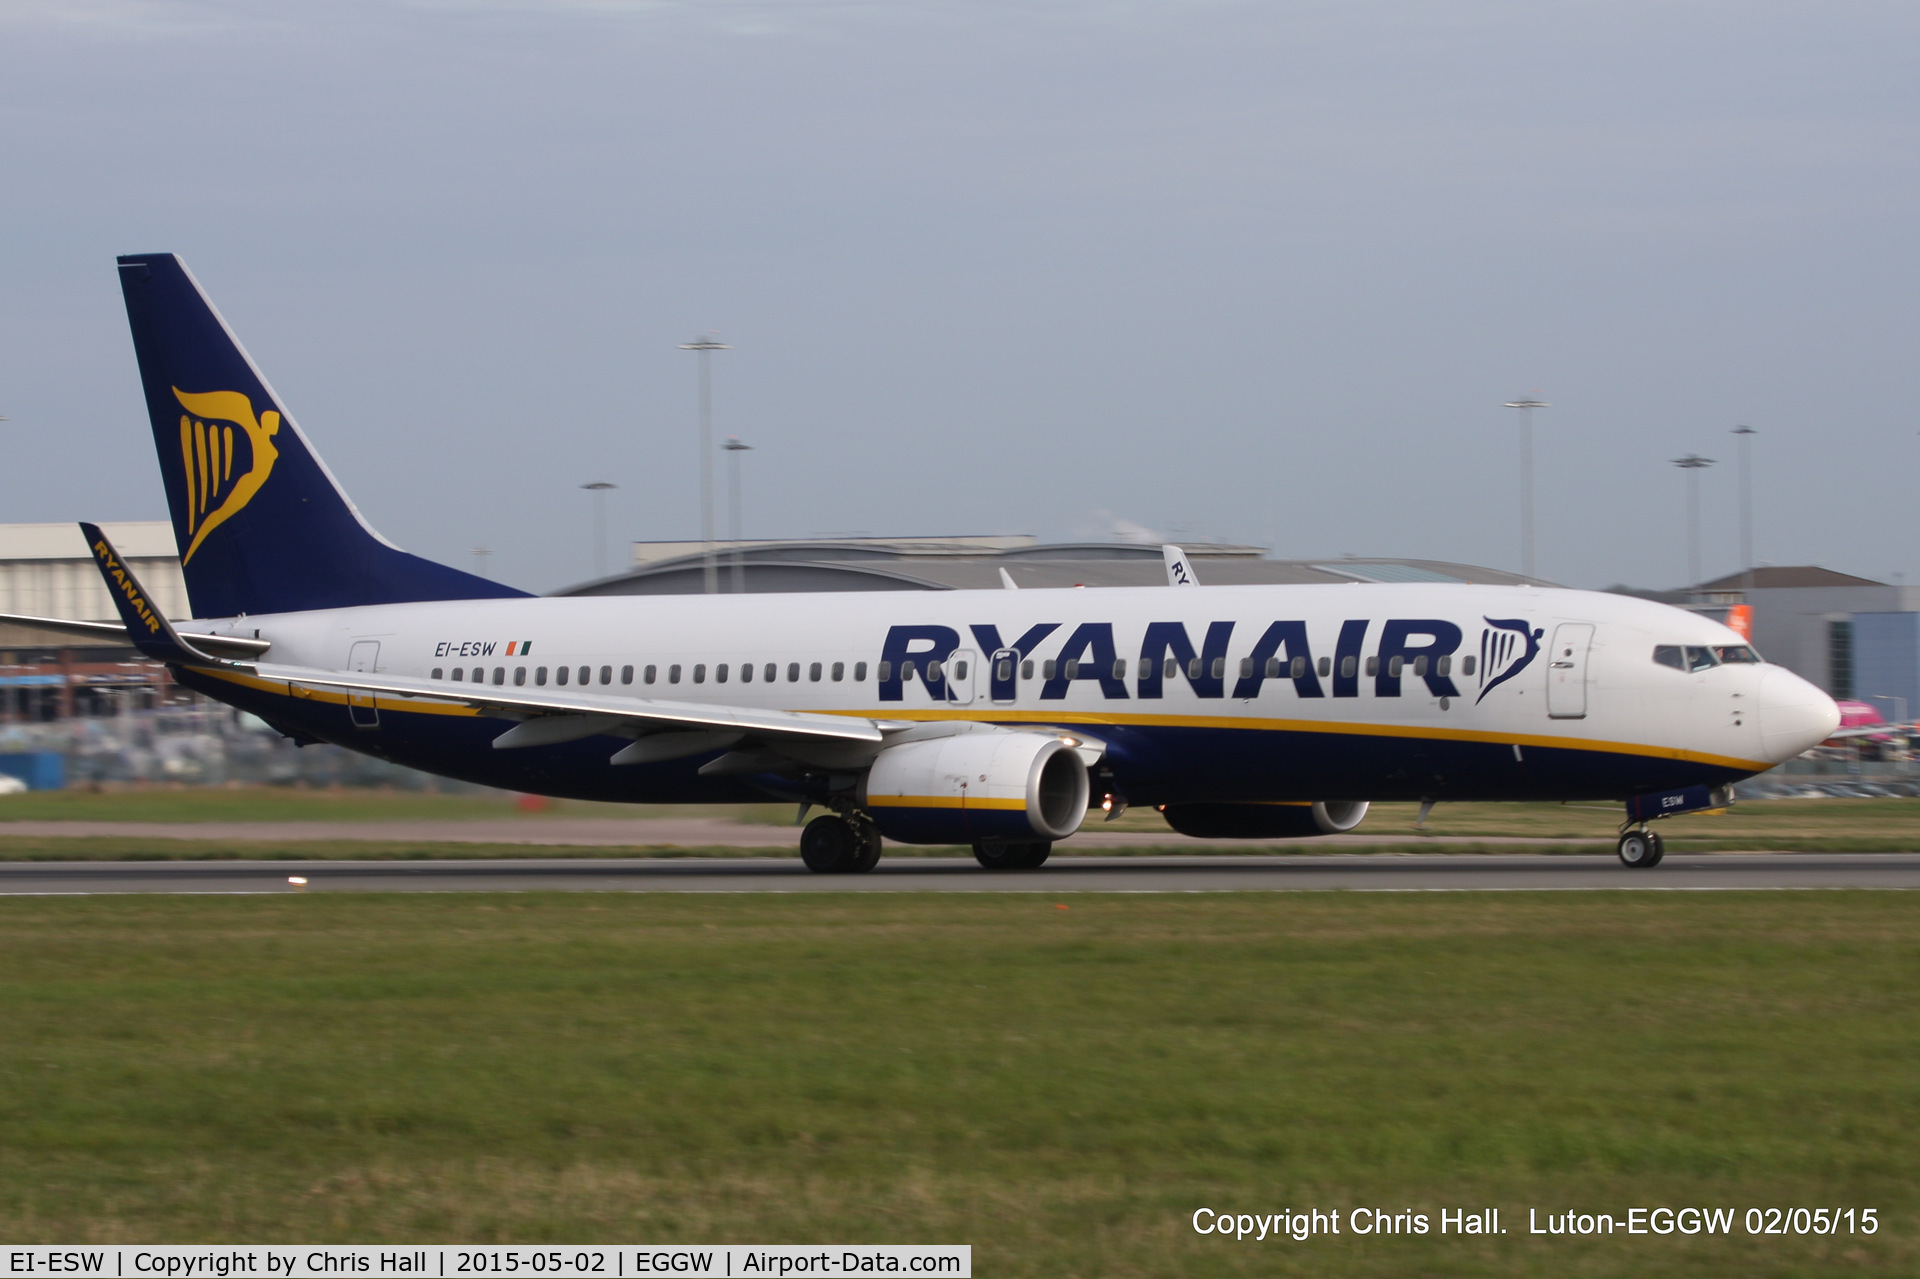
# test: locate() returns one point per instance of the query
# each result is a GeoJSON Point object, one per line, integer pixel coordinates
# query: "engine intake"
{"type": "Point", "coordinates": [994, 786]}
{"type": "Point", "coordinates": [1265, 821]}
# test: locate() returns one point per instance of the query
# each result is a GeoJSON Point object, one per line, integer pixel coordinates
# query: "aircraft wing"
{"type": "Point", "coordinates": [589, 713]}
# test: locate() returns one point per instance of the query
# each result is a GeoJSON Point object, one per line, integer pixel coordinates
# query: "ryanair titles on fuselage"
{"type": "Point", "coordinates": [1422, 649]}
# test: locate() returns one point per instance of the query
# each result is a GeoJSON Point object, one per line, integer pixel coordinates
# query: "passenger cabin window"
{"type": "Point", "coordinates": [1246, 668]}
{"type": "Point", "coordinates": [458, 674]}
{"type": "Point", "coordinates": [906, 672]}
{"type": "Point", "coordinates": [1003, 669]}
{"type": "Point", "coordinates": [793, 671]}
{"type": "Point", "coordinates": [499, 675]}
{"type": "Point", "coordinates": [1348, 666]}
{"type": "Point", "coordinates": [673, 673]}
{"type": "Point", "coordinates": [1467, 664]}
{"type": "Point", "coordinates": [1443, 666]}
{"type": "Point", "coordinates": [1326, 667]}
{"type": "Point", "coordinates": [1700, 659]}
{"type": "Point", "coordinates": [746, 672]}
{"type": "Point", "coordinates": [1669, 655]}
{"type": "Point", "coordinates": [813, 672]}
{"type": "Point", "coordinates": [772, 672]}
{"type": "Point", "coordinates": [700, 673]}
{"type": "Point", "coordinates": [840, 671]}
{"type": "Point", "coordinates": [519, 675]}
{"type": "Point", "coordinates": [649, 673]}
{"type": "Point", "coordinates": [1026, 669]}
{"type": "Point", "coordinates": [1047, 668]}
{"type": "Point", "coordinates": [1193, 669]}
{"type": "Point", "coordinates": [1373, 666]}
{"type": "Point", "coordinates": [1737, 655]}
{"type": "Point", "coordinates": [606, 674]}
{"type": "Point", "coordinates": [1072, 665]}
{"type": "Point", "coordinates": [1420, 667]}
{"type": "Point", "coordinates": [1119, 668]}
{"type": "Point", "coordinates": [720, 673]}
{"type": "Point", "coordinates": [586, 674]}
{"type": "Point", "coordinates": [479, 674]}
{"type": "Point", "coordinates": [859, 672]}
{"type": "Point", "coordinates": [560, 676]}
{"type": "Point", "coordinates": [626, 674]}
{"type": "Point", "coordinates": [436, 672]}
{"type": "Point", "coordinates": [959, 669]}
{"type": "Point", "coordinates": [539, 675]}
{"type": "Point", "coordinates": [883, 671]}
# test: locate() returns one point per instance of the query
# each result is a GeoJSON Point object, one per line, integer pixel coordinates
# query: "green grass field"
{"type": "Point", "coordinates": [288, 804]}
{"type": "Point", "coordinates": [1059, 1087]}
{"type": "Point", "coordinates": [1832, 825]}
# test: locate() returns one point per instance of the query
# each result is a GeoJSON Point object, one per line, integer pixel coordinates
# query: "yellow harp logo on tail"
{"type": "Point", "coordinates": [219, 483]}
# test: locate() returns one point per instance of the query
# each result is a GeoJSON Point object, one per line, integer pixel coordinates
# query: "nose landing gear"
{"type": "Point", "coordinates": [1641, 849]}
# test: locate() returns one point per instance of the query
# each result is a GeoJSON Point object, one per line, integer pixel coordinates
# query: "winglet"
{"type": "Point", "coordinates": [1006, 581]}
{"type": "Point", "coordinates": [147, 627]}
{"type": "Point", "coordinates": [1179, 572]}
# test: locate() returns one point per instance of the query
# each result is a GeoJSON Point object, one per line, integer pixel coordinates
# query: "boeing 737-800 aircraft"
{"type": "Point", "coordinates": [991, 718]}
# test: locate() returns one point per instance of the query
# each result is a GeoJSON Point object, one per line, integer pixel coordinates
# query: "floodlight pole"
{"type": "Point", "coordinates": [706, 346]}
{"type": "Point", "coordinates": [480, 554]}
{"type": "Point", "coordinates": [1746, 433]}
{"type": "Point", "coordinates": [1693, 464]}
{"type": "Point", "coordinates": [734, 449]}
{"type": "Point", "coordinates": [1526, 408]}
{"type": "Point", "coordinates": [599, 490]}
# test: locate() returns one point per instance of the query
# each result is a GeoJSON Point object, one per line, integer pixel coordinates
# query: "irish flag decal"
{"type": "Point", "coordinates": [519, 648]}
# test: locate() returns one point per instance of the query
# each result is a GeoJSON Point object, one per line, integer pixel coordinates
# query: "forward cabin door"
{"type": "Point", "coordinates": [1567, 670]}
{"type": "Point", "coordinates": [364, 657]}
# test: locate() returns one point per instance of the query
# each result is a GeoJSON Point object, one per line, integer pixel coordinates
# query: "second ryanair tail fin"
{"type": "Point", "coordinates": [261, 524]}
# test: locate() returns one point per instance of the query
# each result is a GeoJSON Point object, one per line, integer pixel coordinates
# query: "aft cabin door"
{"type": "Point", "coordinates": [364, 658]}
{"type": "Point", "coordinates": [1567, 670]}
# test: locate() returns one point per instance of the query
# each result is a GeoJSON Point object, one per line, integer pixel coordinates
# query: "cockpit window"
{"type": "Point", "coordinates": [1737, 654]}
{"type": "Point", "coordinates": [1699, 659]}
{"type": "Point", "coordinates": [1669, 655]}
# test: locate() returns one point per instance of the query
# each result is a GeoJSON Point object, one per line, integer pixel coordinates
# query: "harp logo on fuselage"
{"type": "Point", "coordinates": [227, 454]}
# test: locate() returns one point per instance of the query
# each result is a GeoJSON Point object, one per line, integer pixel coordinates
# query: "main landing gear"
{"type": "Point", "coordinates": [1012, 856]}
{"type": "Point", "coordinates": [1641, 849]}
{"type": "Point", "coordinates": [840, 844]}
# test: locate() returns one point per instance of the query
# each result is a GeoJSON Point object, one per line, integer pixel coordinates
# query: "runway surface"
{"type": "Point", "coordinates": [616, 832]}
{"type": "Point", "coordinates": [1386, 873]}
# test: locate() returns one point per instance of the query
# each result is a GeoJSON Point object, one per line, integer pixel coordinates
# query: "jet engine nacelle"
{"type": "Point", "coordinates": [1265, 821]}
{"type": "Point", "coordinates": [1015, 787]}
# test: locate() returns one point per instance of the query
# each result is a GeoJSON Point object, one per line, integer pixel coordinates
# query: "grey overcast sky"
{"type": "Point", "coordinates": [1200, 269]}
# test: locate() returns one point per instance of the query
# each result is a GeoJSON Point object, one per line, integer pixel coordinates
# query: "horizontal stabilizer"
{"type": "Point", "coordinates": [116, 633]}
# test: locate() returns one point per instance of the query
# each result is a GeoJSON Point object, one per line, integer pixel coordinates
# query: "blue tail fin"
{"type": "Point", "coordinates": [261, 524]}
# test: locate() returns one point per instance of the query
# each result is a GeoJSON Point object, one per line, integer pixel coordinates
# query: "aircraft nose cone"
{"type": "Point", "coordinates": [1794, 715]}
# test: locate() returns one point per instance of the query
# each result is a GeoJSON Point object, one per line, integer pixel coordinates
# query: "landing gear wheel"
{"type": "Point", "coordinates": [1640, 849]}
{"type": "Point", "coordinates": [867, 840]}
{"type": "Point", "coordinates": [1012, 856]}
{"type": "Point", "coordinates": [1659, 848]}
{"type": "Point", "coordinates": [829, 845]}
